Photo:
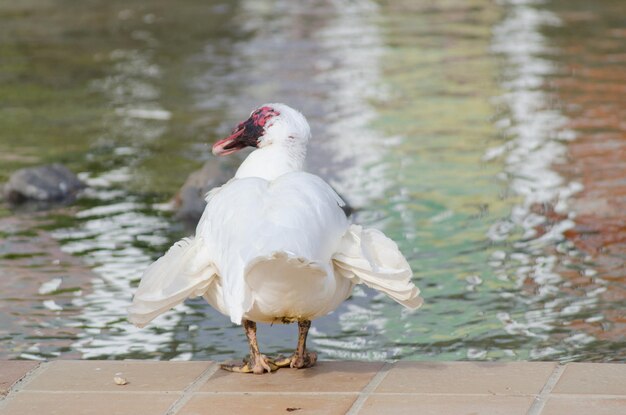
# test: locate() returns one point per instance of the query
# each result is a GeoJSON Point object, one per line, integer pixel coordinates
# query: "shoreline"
{"type": "Point", "coordinates": [88, 387]}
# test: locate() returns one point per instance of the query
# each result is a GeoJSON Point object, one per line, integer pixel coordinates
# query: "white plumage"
{"type": "Point", "coordinates": [273, 244]}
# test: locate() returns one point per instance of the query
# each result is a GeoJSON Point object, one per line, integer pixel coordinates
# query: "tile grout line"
{"type": "Point", "coordinates": [23, 381]}
{"type": "Point", "coordinates": [98, 392]}
{"type": "Point", "coordinates": [369, 388]}
{"type": "Point", "coordinates": [191, 388]}
{"type": "Point", "coordinates": [441, 394]}
{"type": "Point", "coordinates": [540, 401]}
{"type": "Point", "coordinates": [284, 393]}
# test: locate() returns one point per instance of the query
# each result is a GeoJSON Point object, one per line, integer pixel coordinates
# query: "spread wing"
{"type": "Point", "coordinates": [186, 270]}
{"type": "Point", "coordinates": [367, 256]}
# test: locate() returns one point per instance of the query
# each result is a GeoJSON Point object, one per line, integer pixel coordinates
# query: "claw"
{"type": "Point", "coordinates": [232, 367]}
{"type": "Point", "coordinates": [295, 361]}
{"type": "Point", "coordinates": [259, 366]}
{"type": "Point", "coordinates": [282, 361]}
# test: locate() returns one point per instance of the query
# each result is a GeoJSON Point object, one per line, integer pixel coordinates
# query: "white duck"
{"type": "Point", "coordinates": [273, 245]}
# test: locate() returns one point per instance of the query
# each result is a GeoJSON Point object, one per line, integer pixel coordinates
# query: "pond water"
{"type": "Point", "coordinates": [439, 122]}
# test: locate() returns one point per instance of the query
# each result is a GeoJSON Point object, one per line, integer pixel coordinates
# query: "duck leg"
{"type": "Point", "coordinates": [256, 363]}
{"type": "Point", "coordinates": [301, 358]}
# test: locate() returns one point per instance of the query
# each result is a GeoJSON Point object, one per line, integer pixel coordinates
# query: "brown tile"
{"type": "Point", "coordinates": [513, 378]}
{"type": "Point", "coordinates": [446, 404]}
{"type": "Point", "coordinates": [29, 403]}
{"type": "Point", "coordinates": [13, 370]}
{"type": "Point", "coordinates": [94, 375]}
{"type": "Point", "coordinates": [593, 378]}
{"type": "Point", "coordinates": [217, 404]}
{"type": "Point", "coordinates": [584, 406]}
{"type": "Point", "coordinates": [324, 377]}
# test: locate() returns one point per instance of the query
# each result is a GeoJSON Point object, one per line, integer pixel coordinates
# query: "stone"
{"type": "Point", "coordinates": [189, 201]}
{"type": "Point", "coordinates": [48, 183]}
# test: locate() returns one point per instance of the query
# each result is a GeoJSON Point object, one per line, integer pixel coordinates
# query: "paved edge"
{"type": "Point", "coordinates": [191, 388]}
{"type": "Point", "coordinates": [540, 400]}
{"type": "Point", "coordinates": [369, 388]}
{"type": "Point", "coordinates": [21, 382]}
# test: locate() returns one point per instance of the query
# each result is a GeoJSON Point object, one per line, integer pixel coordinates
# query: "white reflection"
{"type": "Point", "coordinates": [105, 242]}
{"type": "Point", "coordinates": [328, 69]}
{"type": "Point", "coordinates": [108, 233]}
{"type": "Point", "coordinates": [50, 286]}
{"type": "Point", "coordinates": [354, 48]}
{"type": "Point", "coordinates": [537, 130]}
{"type": "Point", "coordinates": [538, 135]}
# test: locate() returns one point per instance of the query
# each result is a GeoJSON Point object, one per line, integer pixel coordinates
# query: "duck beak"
{"type": "Point", "coordinates": [230, 144]}
{"type": "Point", "coordinates": [245, 135]}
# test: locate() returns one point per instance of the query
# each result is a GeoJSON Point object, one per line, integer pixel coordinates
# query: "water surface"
{"type": "Point", "coordinates": [439, 122]}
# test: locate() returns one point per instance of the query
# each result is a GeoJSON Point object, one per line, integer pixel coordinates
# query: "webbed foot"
{"type": "Point", "coordinates": [258, 365]}
{"type": "Point", "coordinates": [297, 361]}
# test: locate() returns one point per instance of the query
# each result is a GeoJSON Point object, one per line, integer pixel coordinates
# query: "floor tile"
{"type": "Point", "coordinates": [98, 376]}
{"type": "Point", "coordinates": [513, 378]}
{"type": "Point", "coordinates": [593, 378]}
{"type": "Point", "coordinates": [217, 404]}
{"type": "Point", "coordinates": [90, 403]}
{"type": "Point", "coordinates": [324, 377]}
{"type": "Point", "coordinates": [446, 404]}
{"type": "Point", "coordinates": [584, 406]}
{"type": "Point", "coordinates": [13, 370]}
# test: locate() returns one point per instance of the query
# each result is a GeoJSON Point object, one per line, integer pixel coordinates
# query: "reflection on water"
{"type": "Point", "coordinates": [548, 306]}
{"type": "Point", "coordinates": [535, 132]}
{"type": "Point", "coordinates": [109, 238]}
{"type": "Point", "coordinates": [353, 51]}
{"type": "Point", "coordinates": [438, 122]}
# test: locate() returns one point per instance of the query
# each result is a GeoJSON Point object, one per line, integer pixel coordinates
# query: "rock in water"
{"type": "Point", "coordinates": [49, 183]}
{"type": "Point", "coordinates": [189, 200]}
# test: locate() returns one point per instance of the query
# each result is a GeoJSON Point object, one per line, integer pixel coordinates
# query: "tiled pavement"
{"type": "Point", "coordinates": [189, 388]}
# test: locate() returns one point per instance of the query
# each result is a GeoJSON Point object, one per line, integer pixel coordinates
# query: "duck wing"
{"type": "Point", "coordinates": [186, 270]}
{"type": "Point", "coordinates": [367, 256]}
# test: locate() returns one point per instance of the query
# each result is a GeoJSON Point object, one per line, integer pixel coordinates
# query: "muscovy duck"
{"type": "Point", "coordinates": [273, 245]}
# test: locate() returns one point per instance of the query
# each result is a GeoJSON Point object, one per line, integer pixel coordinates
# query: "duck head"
{"type": "Point", "coordinates": [269, 125]}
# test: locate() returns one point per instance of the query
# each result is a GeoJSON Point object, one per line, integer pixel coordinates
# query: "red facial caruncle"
{"type": "Point", "coordinates": [262, 115]}
{"type": "Point", "coordinates": [247, 133]}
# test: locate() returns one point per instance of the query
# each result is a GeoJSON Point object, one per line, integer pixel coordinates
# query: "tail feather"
{"type": "Point", "coordinates": [367, 256]}
{"type": "Point", "coordinates": [184, 271]}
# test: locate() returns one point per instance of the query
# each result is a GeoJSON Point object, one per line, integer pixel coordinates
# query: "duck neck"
{"type": "Point", "coordinates": [272, 161]}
